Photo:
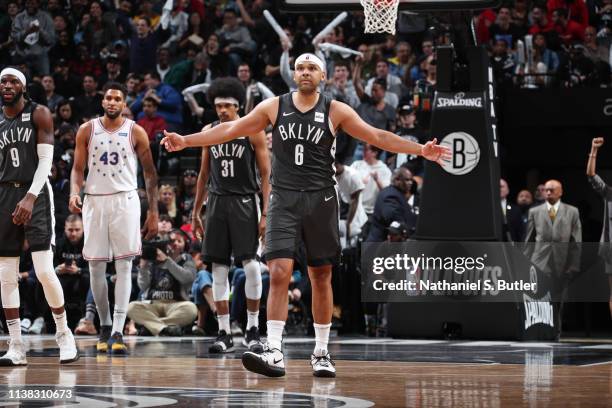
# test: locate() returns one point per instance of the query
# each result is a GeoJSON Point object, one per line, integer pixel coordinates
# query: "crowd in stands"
{"type": "Point", "coordinates": [166, 53]}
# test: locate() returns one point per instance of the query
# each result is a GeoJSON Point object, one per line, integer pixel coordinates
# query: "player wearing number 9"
{"type": "Point", "coordinates": [233, 221]}
{"type": "Point", "coordinates": [26, 211]}
{"type": "Point", "coordinates": [304, 207]}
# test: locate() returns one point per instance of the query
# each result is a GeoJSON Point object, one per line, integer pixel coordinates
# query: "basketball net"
{"type": "Point", "coordinates": [380, 15]}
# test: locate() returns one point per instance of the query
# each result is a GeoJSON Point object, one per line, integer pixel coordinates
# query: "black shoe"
{"type": "Point", "coordinates": [143, 331]}
{"type": "Point", "coordinates": [252, 341]}
{"type": "Point", "coordinates": [116, 344]}
{"type": "Point", "coordinates": [105, 334]}
{"type": "Point", "coordinates": [224, 343]}
{"type": "Point", "coordinates": [171, 331]}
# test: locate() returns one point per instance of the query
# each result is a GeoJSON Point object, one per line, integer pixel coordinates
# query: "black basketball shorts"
{"type": "Point", "coordinates": [231, 227]}
{"type": "Point", "coordinates": [39, 232]}
{"type": "Point", "coordinates": [308, 217]}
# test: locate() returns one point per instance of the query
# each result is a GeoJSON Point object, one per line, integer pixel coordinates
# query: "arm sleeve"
{"type": "Point", "coordinates": [285, 70]}
{"type": "Point", "coordinates": [170, 100]}
{"type": "Point", "coordinates": [47, 31]}
{"type": "Point", "coordinates": [265, 91]}
{"type": "Point", "coordinates": [184, 274]}
{"type": "Point", "coordinates": [598, 185]}
{"type": "Point", "coordinates": [45, 158]}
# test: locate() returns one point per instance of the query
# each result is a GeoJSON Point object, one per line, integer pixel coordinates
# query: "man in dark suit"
{"type": "Point", "coordinates": [392, 205]}
{"type": "Point", "coordinates": [513, 228]}
{"type": "Point", "coordinates": [556, 230]}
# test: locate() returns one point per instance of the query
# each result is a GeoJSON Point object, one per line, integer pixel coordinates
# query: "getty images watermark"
{"type": "Point", "coordinates": [491, 278]}
{"type": "Point", "coordinates": [483, 271]}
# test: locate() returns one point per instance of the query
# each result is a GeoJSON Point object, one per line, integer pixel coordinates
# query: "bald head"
{"type": "Point", "coordinates": [402, 179]}
{"type": "Point", "coordinates": [553, 190]}
{"type": "Point", "coordinates": [503, 189]}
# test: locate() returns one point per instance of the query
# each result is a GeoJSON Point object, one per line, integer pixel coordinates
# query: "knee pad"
{"type": "Point", "coordinates": [252, 286]}
{"type": "Point", "coordinates": [220, 283]}
{"type": "Point", "coordinates": [45, 273]}
{"type": "Point", "coordinates": [9, 274]}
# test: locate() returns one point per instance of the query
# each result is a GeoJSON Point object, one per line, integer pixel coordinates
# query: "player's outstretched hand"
{"type": "Point", "coordinates": [434, 152]}
{"type": "Point", "coordinates": [23, 211]}
{"type": "Point", "coordinates": [149, 229]}
{"type": "Point", "coordinates": [75, 204]}
{"type": "Point", "coordinates": [173, 142]}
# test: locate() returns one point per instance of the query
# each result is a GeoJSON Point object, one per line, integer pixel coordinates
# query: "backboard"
{"type": "Point", "coordinates": [314, 6]}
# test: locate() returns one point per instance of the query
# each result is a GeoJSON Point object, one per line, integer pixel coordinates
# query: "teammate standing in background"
{"type": "Point", "coordinates": [303, 202]}
{"type": "Point", "coordinates": [233, 221]}
{"type": "Point", "coordinates": [27, 213]}
{"type": "Point", "coordinates": [110, 148]}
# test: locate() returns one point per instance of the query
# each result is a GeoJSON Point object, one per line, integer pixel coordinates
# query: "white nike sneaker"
{"type": "Point", "coordinates": [38, 326]}
{"type": "Point", "coordinates": [16, 354]}
{"type": "Point", "coordinates": [323, 366]}
{"type": "Point", "coordinates": [68, 349]}
{"type": "Point", "coordinates": [270, 362]}
{"type": "Point", "coordinates": [25, 325]}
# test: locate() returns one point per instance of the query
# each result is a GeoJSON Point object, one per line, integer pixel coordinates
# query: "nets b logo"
{"type": "Point", "coordinates": [465, 153]}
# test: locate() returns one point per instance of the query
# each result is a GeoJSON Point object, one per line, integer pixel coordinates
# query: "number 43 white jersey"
{"type": "Point", "coordinates": [112, 161]}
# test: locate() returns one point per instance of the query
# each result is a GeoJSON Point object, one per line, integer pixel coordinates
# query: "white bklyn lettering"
{"type": "Point", "coordinates": [8, 136]}
{"type": "Point", "coordinates": [227, 150]}
{"type": "Point", "coordinates": [314, 133]}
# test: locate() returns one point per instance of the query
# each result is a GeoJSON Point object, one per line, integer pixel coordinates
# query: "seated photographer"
{"type": "Point", "coordinates": [165, 275]}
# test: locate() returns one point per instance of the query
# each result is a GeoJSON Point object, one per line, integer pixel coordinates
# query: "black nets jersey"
{"type": "Point", "coordinates": [18, 140]}
{"type": "Point", "coordinates": [303, 146]}
{"type": "Point", "coordinates": [232, 167]}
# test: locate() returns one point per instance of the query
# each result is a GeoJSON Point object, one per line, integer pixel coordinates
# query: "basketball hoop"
{"type": "Point", "coordinates": [380, 15]}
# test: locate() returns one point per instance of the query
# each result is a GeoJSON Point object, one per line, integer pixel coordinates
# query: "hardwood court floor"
{"type": "Point", "coordinates": [381, 372]}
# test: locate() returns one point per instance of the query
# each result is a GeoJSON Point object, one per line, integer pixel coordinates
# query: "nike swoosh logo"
{"type": "Point", "coordinates": [277, 361]}
{"type": "Point", "coordinates": [328, 198]}
{"type": "Point", "coordinates": [287, 114]}
{"type": "Point", "coordinates": [246, 201]}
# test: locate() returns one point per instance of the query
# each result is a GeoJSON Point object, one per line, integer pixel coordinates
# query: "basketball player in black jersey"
{"type": "Point", "coordinates": [26, 212]}
{"type": "Point", "coordinates": [303, 202]}
{"type": "Point", "coordinates": [227, 173]}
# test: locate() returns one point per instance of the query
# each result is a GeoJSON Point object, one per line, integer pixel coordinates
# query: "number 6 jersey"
{"type": "Point", "coordinates": [303, 146]}
{"type": "Point", "coordinates": [232, 167]}
{"type": "Point", "coordinates": [112, 162]}
{"type": "Point", "coordinates": [18, 156]}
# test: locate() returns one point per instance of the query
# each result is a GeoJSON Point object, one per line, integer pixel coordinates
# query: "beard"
{"type": "Point", "coordinates": [307, 88]}
{"type": "Point", "coordinates": [112, 115]}
{"type": "Point", "coordinates": [14, 100]}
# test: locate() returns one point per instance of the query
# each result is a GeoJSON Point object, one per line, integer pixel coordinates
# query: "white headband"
{"type": "Point", "coordinates": [14, 72]}
{"type": "Point", "coordinates": [233, 101]}
{"type": "Point", "coordinates": [310, 58]}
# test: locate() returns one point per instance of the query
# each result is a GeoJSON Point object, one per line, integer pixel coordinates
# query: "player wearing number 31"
{"type": "Point", "coordinates": [26, 206]}
{"type": "Point", "coordinates": [110, 147]}
{"type": "Point", "coordinates": [233, 215]}
{"type": "Point", "coordinates": [303, 202]}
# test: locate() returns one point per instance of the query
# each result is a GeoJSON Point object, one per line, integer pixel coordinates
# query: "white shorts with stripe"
{"type": "Point", "coordinates": [112, 226]}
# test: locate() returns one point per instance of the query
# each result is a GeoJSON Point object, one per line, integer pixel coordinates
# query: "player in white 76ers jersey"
{"type": "Point", "coordinates": [110, 146]}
